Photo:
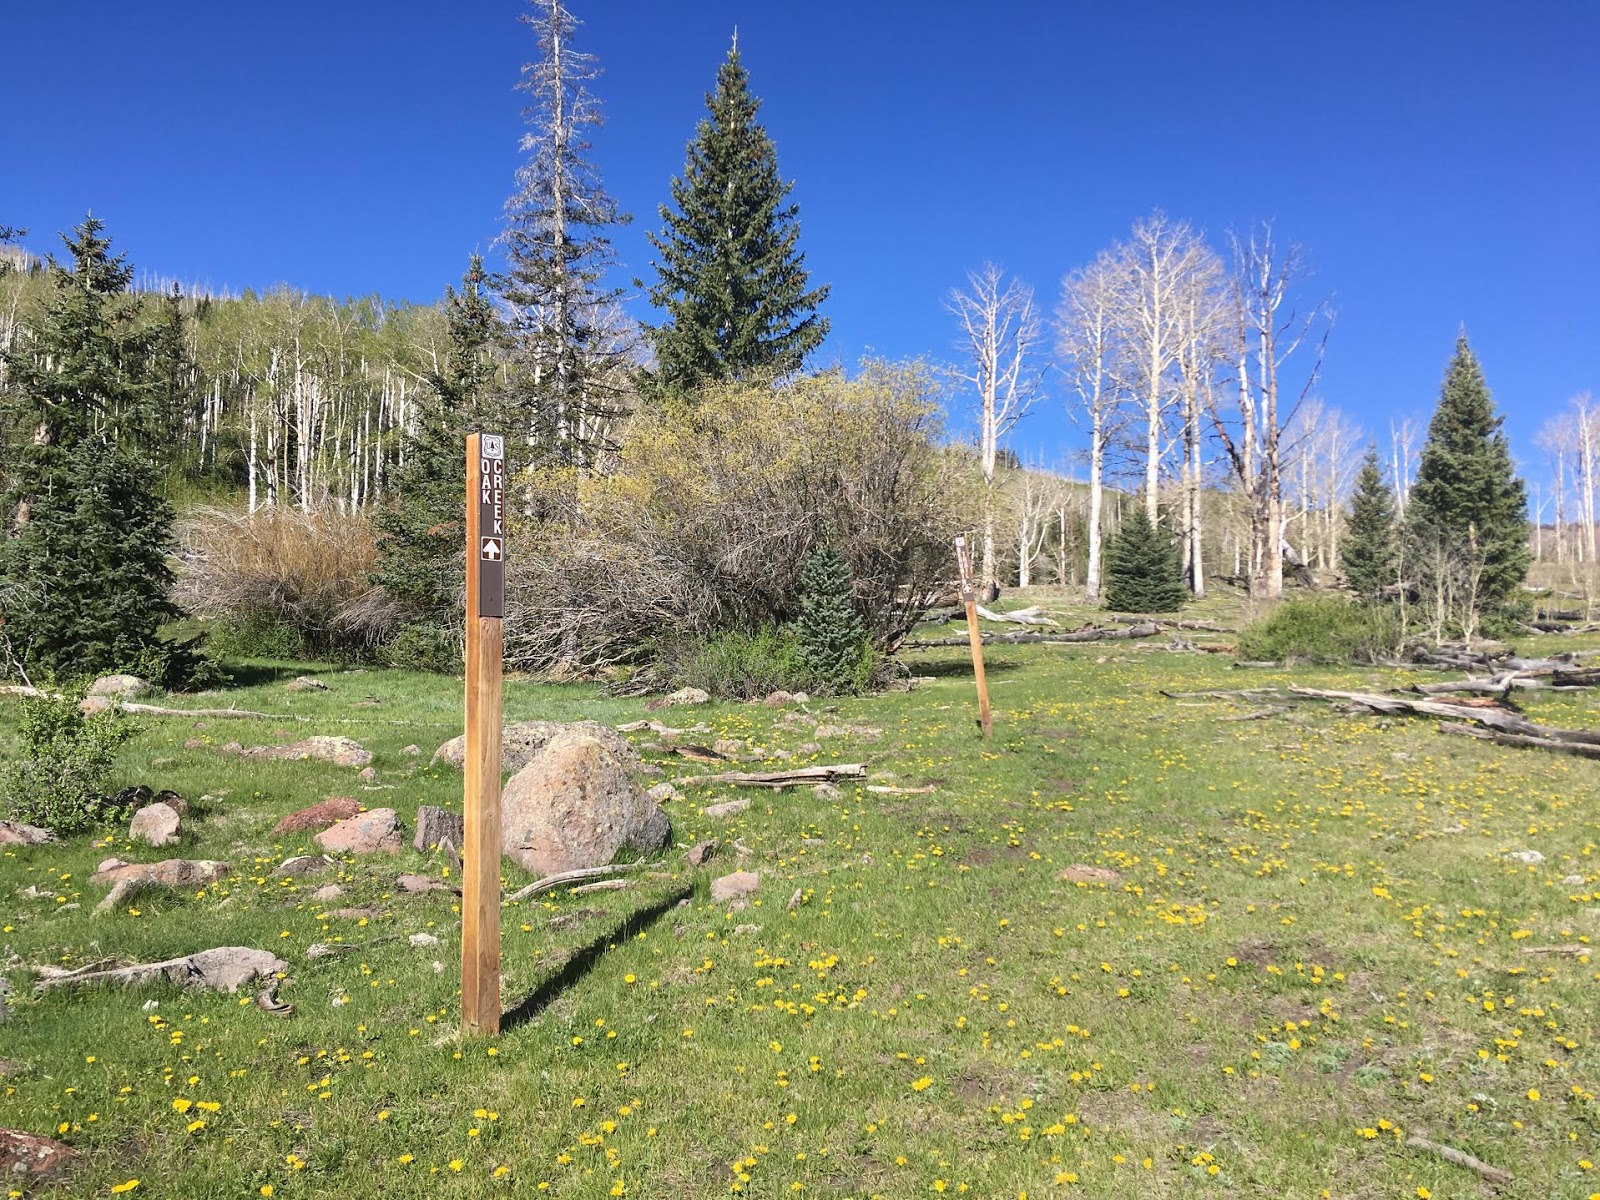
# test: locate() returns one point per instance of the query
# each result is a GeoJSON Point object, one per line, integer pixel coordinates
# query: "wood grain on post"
{"type": "Point", "coordinates": [480, 890]}
{"type": "Point", "coordinates": [969, 600]}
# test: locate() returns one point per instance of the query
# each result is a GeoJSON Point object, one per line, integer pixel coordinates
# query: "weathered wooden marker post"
{"type": "Point", "coordinates": [486, 606]}
{"type": "Point", "coordinates": [969, 598]}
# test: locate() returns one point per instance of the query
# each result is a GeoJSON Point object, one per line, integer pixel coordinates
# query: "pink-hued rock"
{"type": "Point", "coordinates": [1084, 873]}
{"type": "Point", "coordinates": [340, 751]}
{"type": "Point", "coordinates": [319, 816]}
{"type": "Point", "coordinates": [30, 1158]}
{"type": "Point", "coordinates": [731, 887]}
{"type": "Point", "coordinates": [171, 872]}
{"type": "Point", "coordinates": [372, 832]}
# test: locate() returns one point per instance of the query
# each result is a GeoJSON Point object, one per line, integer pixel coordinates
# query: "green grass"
{"type": "Point", "coordinates": [1317, 947]}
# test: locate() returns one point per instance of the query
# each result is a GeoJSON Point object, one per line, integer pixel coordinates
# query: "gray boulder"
{"type": "Point", "coordinates": [156, 824]}
{"type": "Point", "coordinates": [522, 741]}
{"type": "Point", "coordinates": [575, 804]}
{"type": "Point", "coordinates": [121, 687]}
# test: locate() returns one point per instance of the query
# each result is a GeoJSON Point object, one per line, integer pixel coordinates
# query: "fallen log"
{"type": "Point", "coordinates": [551, 882]}
{"type": "Point", "coordinates": [1076, 635]}
{"type": "Point", "coordinates": [1508, 724]}
{"type": "Point", "coordinates": [1462, 1159]}
{"type": "Point", "coordinates": [777, 779]}
{"type": "Point", "coordinates": [1525, 741]}
{"type": "Point", "coordinates": [1260, 714]}
{"type": "Point", "coordinates": [884, 790]}
{"type": "Point", "coordinates": [105, 704]}
{"type": "Point", "coordinates": [1033, 615]}
{"type": "Point", "coordinates": [223, 968]}
{"type": "Point", "coordinates": [1201, 626]}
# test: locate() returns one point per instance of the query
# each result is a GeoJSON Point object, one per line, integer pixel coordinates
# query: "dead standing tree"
{"type": "Point", "coordinates": [1265, 338]}
{"type": "Point", "coordinates": [1001, 327]}
{"type": "Point", "coordinates": [1088, 341]}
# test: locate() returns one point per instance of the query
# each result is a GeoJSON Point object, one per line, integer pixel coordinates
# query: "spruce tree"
{"type": "Point", "coordinates": [422, 524]}
{"type": "Point", "coordinates": [1369, 554]}
{"type": "Point", "coordinates": [1144, 568]}
{"type": "Point", "coordinates": [84, 578]}
{"type": "Point", "coordinates": [730, 278]}
{"type": "Point", "coordinates": [1467, 525]}
{"type": "Point", "coordinates": [832, 639]}
{"type": "Point", "coordinates": [558, 249]}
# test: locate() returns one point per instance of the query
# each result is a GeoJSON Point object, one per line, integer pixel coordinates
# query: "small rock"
{"type": "Point", "coordinates": [731, 887]}
{"type": "Point", "coordinates": [353, 914]}
{"type": "Point", "coordinates": [687, 695]}
{"type": "Point", "coordinates": [320, 950]}
{"type": "Point", "coordinates": [802, 698]}
{"type": "Point", "coordinates": [16, 833]}
{"type": "Point", "coordinates": [794, 900]}
{"type": "Point", "coordinates": [700, 853]}
{"type": "Point", "coordinates": [728, 747]}
{"type": "Point", "coordinates": [150, 1006]}
{"type": "Point", "coordinates": [304, 864]}
{"type": "Point", "coordinates": [328, 891]}
{"type": "Point", "coordinates": [742, 930]}
{"type": "Point", "coordinates": [156, 824]}
{"type": "Point", "coordinates": [1572, 881]}
{"type": "Point", "coordinates": [826, 791]}
{"type": "Point", "coordinates": [423, 939]}
{"type": "Point", "coordinates": [340, 751]}
{"type": "Point", "coordinates": [1531, 857]}
{"type": "Point", "coordinates": [5, 998]}
{"type": "Point", "coordinates": [829, 731]}
{"type": "Point", "coordinates": [305, 683]}
{"type": "Point", "coordinates": [377, 831]}
{"type": "Point", "coordinates": [808, 748]}
{"type": "Point", "coordinates": [779, 699]}
{"type": "Point", "coordinates": [412, 751]}
{"type": "Point", "coordinates": [124, 891]}
{"type": "Point", "coordinates": [661, 793]}
{"type": "Point", "coordinates": [422, 883]}
{"type": "Point", "coordinates": [366, 775]}
{"type": "Point", "coordinates": [32, 892]}
{"type": "Point", "coordinates": [121, 687]}
{"type": "Point", "coordinates": [812, 842]}
{"type": "Point", "coordinates": [109, 864]}
{"type": "Point", "coordinates": [436, 826]}
{"type": "Point", "coordinates": [726, 809]}
{"type": "Point", "coordinates": [318, 817]}
{"type": "Point", "coordinates": [1084, 873]}
{"type": "Point", "coordinates": [171, 872]}
{"type": "Point", "coordinates": [30, 1158]}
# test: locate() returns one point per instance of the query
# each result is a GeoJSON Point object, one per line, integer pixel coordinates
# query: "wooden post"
{"type": "Point", "coordinates": [480, 852]}
{"type": "Point", "coordinates": [970, 599]}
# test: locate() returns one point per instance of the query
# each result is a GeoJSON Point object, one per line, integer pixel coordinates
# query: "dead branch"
{"type": "Point", "coordinates": [1077, 635]}
{"type": "Point", "coordinates": [551, 882]}
{"type": "Point", "coordinates": [777, 779]}
{"type": "Point", "coordinates": [1462, 1159]}
{"type": "Point", "coordinates": [1022, 616]}
{"type": "Point", "coordinates": [1525, 741]}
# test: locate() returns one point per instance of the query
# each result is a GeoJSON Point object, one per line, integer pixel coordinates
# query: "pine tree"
{"type": "Point", "coordinates": [833, 641]}
{"type": "Point", "coordinates": [1144, 570]}
{"type": "Point", "coordinates": [1467, 525]}
{"type": "Point", "coordinates": [558, 248]}
{"type": "Point", "coordinates": [1369, 554]}
{"type": "Point", "coordinates": [422, 524]}
{"type": "Point", "coordinates": [730, 279]}
{"type": "Point", "coordinates": [84, 579]}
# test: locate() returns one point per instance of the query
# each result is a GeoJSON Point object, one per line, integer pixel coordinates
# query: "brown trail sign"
{"type": "Point", "coordinates": [969, 600]}
{"type": "Point", "coordinates": [486, 605]}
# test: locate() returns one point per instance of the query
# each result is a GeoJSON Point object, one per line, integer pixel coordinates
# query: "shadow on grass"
{"type": "Point", "coordinates": [961, 668]}
{"type": "Point", "coordinates": [584, 960]}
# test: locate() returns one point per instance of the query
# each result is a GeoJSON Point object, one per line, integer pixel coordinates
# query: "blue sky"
{"type": "Point", "coordinates": [1440, 162]}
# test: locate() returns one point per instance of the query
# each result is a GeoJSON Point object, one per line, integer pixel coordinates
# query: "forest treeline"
{"type": "Point", "coordinates": [674, 477]}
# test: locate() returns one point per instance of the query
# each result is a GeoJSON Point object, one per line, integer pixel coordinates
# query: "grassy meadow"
{"type": "Point", "coordinates": [1314, 947]}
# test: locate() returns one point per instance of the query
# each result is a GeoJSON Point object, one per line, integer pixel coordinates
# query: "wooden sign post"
{"type": "Point", "coordinates": [486, 606]}
{"type": "Point", "coordinates": [969, 598]}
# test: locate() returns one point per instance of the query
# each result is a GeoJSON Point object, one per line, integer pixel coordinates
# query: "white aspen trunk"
{"type": "Point", "coordinates": [1197, 557]}
{"type": "Point", "coordinates": [254, 465]}
{"type": "Point", "coordinates": [1097, 458]}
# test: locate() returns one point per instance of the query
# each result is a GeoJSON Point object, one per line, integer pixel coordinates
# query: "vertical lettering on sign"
{"type": "Point", "coordinates": [491, 557]}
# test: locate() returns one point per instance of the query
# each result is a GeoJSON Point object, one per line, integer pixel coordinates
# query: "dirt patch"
{"type": "Point", "coordinates": [1084, 873]}
{"type": "Point", "coordinates": [1126, 1113]}
{"type": "Point", "coordinates": [1258, 952]}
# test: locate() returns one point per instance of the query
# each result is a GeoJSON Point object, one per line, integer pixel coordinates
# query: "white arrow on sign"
{"type": "Point", "coordinates": [491, 550]}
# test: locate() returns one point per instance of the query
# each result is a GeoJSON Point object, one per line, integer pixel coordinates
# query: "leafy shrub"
{"type": "Point", "coordinates": [1144, 573]}
{"type": "Point", "coordinates": [1322, 629]}
{"type": "Point", "coordinates": [832, 640]}
{"type": "Point", "coordinates": [61, 776]}
{"type": "Point", "coordinates": [731, 664]}
{"type": "Point", "coordinates": [425, 646]}
{"type": "Point", "coordinates": [280, 579]}
{"type": "Point", "coordinates": [701, 521]}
